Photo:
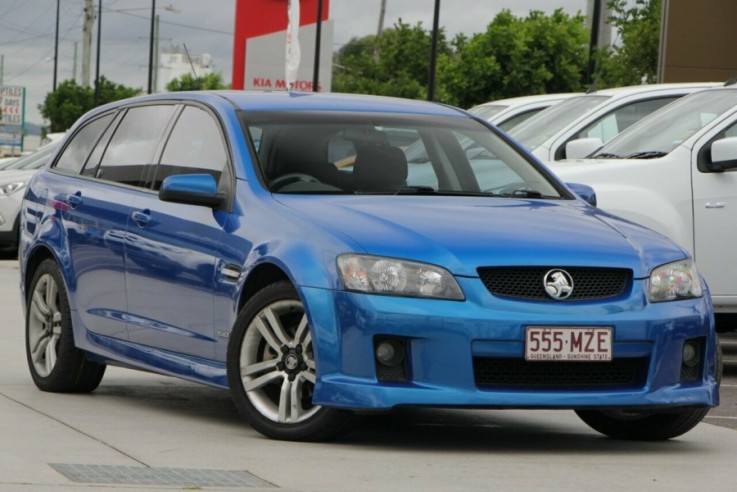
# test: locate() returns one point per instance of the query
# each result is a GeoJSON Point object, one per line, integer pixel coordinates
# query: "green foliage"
{"type": "Point", "coordinates": [70, 101]}
{"type": "Point", "coordinates": [516, 56]}
{"type": "Point", "coordinates": [397, 63]}
{"type": "Point", "coordinates": [211, 81]}
{"type": "Point", "coordinates": [635, 59]}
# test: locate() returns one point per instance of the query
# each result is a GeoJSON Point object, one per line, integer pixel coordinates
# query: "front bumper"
{"type": "Point", "coordinates": [444, 337]}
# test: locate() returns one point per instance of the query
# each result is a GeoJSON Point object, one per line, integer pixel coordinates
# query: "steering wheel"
{"type": "Point", "coordinates": [289, 178]}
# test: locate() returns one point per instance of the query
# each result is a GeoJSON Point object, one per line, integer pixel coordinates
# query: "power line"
{"type": "Point", "coordinates": [188, 26]}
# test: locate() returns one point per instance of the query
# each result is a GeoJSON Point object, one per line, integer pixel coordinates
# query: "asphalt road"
{"type": "Point", "coordinates": [141, 431]}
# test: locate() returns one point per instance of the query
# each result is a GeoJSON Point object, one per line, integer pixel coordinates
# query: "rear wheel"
{"type": "Point", "coordinates": [56, 364]}
{"type": "Point", "coordinates": [643, 426]}
{"type": "Point", "coordinates": [272, 373]}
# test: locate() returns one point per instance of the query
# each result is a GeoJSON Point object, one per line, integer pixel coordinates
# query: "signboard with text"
{"type": "Point", "coordinates": [12, 116]}
{"type": "Point", "coordinates": [259, 51]}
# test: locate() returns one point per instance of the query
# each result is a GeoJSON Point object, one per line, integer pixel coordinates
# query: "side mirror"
{"type": "Point", "coordinates": [578, 149]}
{"type": "Point", "coordinates": [584, 191]}
{"type": "Point", "coordinates": [724, 154]}
{"type": "Point", "coordinates": [192, 189]}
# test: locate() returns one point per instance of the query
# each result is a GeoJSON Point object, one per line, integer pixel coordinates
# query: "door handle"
{"type": "Point", "coordinates": [716, 205]}
{"type": "Point", "coordinates": [75, 200]}
{"type": "Point", "coordinates": [141, 218]}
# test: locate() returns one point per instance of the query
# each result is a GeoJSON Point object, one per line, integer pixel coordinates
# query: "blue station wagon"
{"type": "Point", "coordinates": [282, 245]}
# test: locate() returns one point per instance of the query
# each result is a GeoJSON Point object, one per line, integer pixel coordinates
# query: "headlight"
{"type": "Point", "coordinates": [8, 188]}
{"type": "Point", "coordinates": [678, 280]}
{"type": "Point", "coordinates": [379, 275]}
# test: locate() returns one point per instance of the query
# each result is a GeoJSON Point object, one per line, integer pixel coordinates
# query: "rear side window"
{"type": "Point", "coordinates": [132, 147]}
{"type": "Point", "coordinates": [76, 153]}
{"type": "Point", "coordinates": [195, 146]}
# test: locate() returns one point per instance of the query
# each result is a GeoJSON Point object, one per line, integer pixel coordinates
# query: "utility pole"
{"type": "Point", "coordinates": [74, 63]}
{"type": "Point", "coordinates": [87, 24]}
{"type": "Point", "coordinates": [155, 74]}
{"type": "Point", "coordinates": [382, 13]}
{"type": "Point", "coordinates": [379, 30]}
{"type": "Point", "coordinates": [56, 44]}
{"type": "Point", "coordinates": [2, 62]}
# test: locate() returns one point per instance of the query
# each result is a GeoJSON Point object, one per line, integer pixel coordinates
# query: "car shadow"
{"type": "Point", "coordinates": [419, 430]}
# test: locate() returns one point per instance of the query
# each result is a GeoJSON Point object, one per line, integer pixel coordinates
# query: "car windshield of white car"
{"type": "Point", "coordinates": [535, 131]}
{"type": "Point", "coordinates": [387, 153]}
{"type": "Point", "coordinates": [661, 132]}
{"type": "Point", "coordinates": [486, 111]}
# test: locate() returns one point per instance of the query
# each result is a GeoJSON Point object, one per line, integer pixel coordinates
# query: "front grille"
{"type": "Point", "coordinates": [518, 373]}
{"type": "Point", "coordinates": [529, 283]}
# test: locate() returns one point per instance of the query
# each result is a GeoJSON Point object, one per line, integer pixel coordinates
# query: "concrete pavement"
{"type": "Point", "coordinates": [145, 432]}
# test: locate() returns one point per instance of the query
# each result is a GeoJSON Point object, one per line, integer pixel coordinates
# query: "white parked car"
{"type": "Point", "coordinates": [508, 113]}
{"type": "Point", "coordinates": [578, 126]}
{"type": "Point", "coordinates": [13, 182]}
{"type": "Point", "coordinates": [676, 172]}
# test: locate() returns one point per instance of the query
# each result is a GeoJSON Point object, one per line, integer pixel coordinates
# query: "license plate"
{"type": "Point", "coordinates": [559, 343]}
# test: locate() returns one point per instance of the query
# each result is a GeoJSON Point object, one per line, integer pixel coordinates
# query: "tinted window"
{"type": "Point", "coordinates": [133, 145]}
{"type": "Point", "coordinates": [195, 146]}
{"type": "Point", "coordinates": [76, 153]}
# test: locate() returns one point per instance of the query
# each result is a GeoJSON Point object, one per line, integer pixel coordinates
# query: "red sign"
{"type": "Point", "coordinates": [259, 17]}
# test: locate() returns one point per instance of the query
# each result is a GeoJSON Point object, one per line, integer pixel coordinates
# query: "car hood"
{"type": "Point", "coordinates": [17, 175]}
{"type": "Point", "coordinates": [462, 234]}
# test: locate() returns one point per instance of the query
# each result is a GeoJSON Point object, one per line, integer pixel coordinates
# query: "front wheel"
{"type": "Point", "coordinates": [643, 426]}
{"type": "Point", "coordinates": [272, 373]}
{"type": "Point", "coordinates": [56, 364]}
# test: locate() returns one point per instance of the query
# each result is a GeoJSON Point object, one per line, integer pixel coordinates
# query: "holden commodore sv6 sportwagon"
{"type": "Point", "coordinates": [282, 246]}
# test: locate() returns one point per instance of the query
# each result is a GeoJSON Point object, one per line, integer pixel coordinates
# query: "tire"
{"type": "Point", "coordinates": [56, 364]}
{"type": "Point", "coordinates": [643, 426]}
{"type": "Point", "coordinates": [271, 363]}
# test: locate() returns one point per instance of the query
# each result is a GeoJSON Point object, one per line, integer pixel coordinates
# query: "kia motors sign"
{"type": "Point", "coordinates": [260, 45]}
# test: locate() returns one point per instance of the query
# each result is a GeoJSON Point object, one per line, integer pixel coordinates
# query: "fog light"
{"type": "Point", "coordinates": [691, 353]}
{"type": "Point", "coordinates": [389, 352]}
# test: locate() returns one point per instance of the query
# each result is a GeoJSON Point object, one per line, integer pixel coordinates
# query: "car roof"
{"type": "Point", "coordinates": [300, 101]}
{"type": "Point", "coordinates": [521, 100]}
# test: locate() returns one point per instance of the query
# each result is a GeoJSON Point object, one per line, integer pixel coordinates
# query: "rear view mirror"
{"type": "Point", "coordinates": [192, 189]}
{"type": "Point", "coordinates": [724, 154]}
{"type": "Point", "coordinates": [583, 147]}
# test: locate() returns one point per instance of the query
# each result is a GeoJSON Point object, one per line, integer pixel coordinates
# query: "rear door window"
{"type": "Point", "coordinates": [76, 153]}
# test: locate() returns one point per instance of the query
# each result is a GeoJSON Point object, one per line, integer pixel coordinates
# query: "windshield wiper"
{"type": "Point", "coordinates": [647, 154]}
{"type": "Point", "coordinates": [523, 193]}
{"type": "Point", "coordinates": [607, 155]}
{"type": "Point", "coordinates": [425, 190]}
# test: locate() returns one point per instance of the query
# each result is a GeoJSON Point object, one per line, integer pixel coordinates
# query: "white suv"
{"type": "Point", "coordinates": [509, 113]}
{"type": "Point", "coordinates": [13, 181]}
{"type": "Point", "coordinates": [578, 126]}
{"type": "Point", "coordinates": [676, 172]}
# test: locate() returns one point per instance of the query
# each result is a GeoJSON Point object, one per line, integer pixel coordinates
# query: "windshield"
{"type": "Point", "coordinates": [486, 111]}
{"type": "Point", "coordinates": [545, 124]}
{"type": "Point", "coordinates": [325, 152]}
{"type": "Point", "coordinates": [33, 161]}
{"type": "Point", "coordinates": [663, 131]}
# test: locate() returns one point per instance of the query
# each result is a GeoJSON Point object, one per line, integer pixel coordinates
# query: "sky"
{"type": "Point", "coordinates": [205, 26]}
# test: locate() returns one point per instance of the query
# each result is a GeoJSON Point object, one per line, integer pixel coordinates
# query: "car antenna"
{"type": "Point", "coordinates": [731, 81]}
{"type": "Point", "coordinates": [591, 89]}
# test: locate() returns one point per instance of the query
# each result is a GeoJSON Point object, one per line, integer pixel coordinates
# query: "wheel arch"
{"type": "Point", "coordinates": [259, 277]}
{"type": "Point", "coordinates": [32, 262]}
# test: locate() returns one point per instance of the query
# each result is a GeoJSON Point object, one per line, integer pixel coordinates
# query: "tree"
{"type": "Point", "coordinates": [210, 81]}
{"type": "Point", "coordinates": [515, 57]}
{"type": "Point", "coordinates": [396, 63]}
{"type": "Point", "coordinates": [70, 101]}
{"type": "Point", "coordinates": [635, 59]}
